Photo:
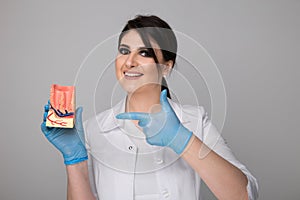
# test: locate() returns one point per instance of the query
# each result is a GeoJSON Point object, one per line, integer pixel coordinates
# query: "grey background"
{"type": "Point", "coordinates": [254, 43]}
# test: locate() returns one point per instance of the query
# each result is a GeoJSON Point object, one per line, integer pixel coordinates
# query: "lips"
{"type": "Point", "coordinates": [130, 74]}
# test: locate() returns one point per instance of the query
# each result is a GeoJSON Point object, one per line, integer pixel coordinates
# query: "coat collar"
{"type": "Point", "coordinates": [110, 122]}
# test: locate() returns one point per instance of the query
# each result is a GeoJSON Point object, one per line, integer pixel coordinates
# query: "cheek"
{"type": "Point", "coordinates": [118, 68]}
{"type": "Point", "coordinates": [154, 72]}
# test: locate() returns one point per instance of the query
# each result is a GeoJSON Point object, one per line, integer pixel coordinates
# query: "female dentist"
{"type": "Point", "coordinates": [148, 121]}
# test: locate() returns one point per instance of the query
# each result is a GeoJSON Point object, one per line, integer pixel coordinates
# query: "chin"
{"type": "Point", "coordinates": [129, 88]}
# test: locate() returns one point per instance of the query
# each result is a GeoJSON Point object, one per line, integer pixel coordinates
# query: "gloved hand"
{"type": "Point", "coordinates": [69, 141]}
{"type": "Point", "coordinates": [162, 128]}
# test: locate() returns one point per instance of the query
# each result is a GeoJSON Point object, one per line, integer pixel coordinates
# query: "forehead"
{"type": "Point", "coordinates": [133, 39]}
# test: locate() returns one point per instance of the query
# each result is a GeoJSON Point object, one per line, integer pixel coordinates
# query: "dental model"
{"type": "Point", "coordinates": [62, 107]}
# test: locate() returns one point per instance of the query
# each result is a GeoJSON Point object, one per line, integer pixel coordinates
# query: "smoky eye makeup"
{"type": "Point", "coordinates": [146, 52]}
{"type": "Point", "coordinates": [143, 51]}
{"type": "Point", "coordinates": [123, 50]}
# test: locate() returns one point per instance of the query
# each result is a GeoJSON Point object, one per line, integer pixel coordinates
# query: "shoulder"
{"type": "Point", "coordinates": [98, 117]}
{"type": "Point", "coordinates": [189, 112]}
{"type": "Point", "coordinates": [96, 122]}
{"type": "Point", "coordinates": [193, 110]}
{"type": "Point", "coordinates": [193, 117]}
{"type": "Point", "coordinates": [105, 120]}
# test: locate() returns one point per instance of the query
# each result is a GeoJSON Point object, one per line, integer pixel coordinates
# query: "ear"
{"type": "Point", "coordinates": [167, 68]}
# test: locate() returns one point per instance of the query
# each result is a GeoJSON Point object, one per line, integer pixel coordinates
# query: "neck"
{"type": "Point", "coordinates": [145, 100]}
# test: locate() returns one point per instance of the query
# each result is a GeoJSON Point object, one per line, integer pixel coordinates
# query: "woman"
{"type": "Point", "coordinates": [148, 146]}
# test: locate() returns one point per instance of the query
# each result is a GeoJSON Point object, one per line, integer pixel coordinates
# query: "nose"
{"type": "Point", "coordinates": [131, 60]}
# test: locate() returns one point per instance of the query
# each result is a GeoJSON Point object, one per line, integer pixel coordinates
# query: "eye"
{"type": "Point", "coordinates": [145, 53]}
{"type": "Point", "coordinates": [124, 51]}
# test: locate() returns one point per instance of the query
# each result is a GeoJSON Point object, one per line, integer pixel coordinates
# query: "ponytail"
{"type": "Point", "coordinates": [164, 86]}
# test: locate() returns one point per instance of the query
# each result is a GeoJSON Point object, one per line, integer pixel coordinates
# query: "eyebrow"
{"type": "Point", "coordinates": [127, 46]}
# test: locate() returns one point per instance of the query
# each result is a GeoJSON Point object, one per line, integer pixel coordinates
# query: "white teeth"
{"type": "Point", "coordinates": [133, 74]}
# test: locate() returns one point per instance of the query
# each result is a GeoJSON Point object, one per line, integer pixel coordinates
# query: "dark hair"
{"type": "Point", "coordinates": [151, 26]}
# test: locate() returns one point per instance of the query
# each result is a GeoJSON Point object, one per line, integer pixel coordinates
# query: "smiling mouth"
{"type": "Point", "coordinates": [133, 74]}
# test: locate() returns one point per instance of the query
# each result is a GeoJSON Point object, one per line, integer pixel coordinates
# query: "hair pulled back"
{"type": "Point", "coordinates": [153, 27]}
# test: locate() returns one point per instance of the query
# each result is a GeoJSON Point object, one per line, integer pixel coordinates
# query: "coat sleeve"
{"type": "Point", "coordinates": [90, 161]}
{"type": "Point", "coordinates": [213, 139]}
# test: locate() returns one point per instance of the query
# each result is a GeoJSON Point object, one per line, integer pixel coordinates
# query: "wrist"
{"type": "Point", "coordinates": [75, 161]}
{"type": "Point", "coordinates": [188, 146]}
{"type": "Point", "coordinates": [76, 166]}
{"type": "Point", "coordinates": [76, 155]}
{"type": "Point", "coordinates": [77, 170]}
{"type": "Point", "coordinates": [181, 140]}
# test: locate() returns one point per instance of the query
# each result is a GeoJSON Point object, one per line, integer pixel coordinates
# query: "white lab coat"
{"type": "Point", "coordinates": [113, 157]}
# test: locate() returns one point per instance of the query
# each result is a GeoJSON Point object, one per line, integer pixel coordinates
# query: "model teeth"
{"type": "Point", "coordinates": [133, 74]}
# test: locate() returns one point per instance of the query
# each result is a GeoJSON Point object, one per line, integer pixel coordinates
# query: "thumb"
{"type": "Point", "coordinates": [164, 101]}
{"type": "Point", "coordinates": [78, 119]}
{"type": "Point", "coordinates": [78, 124]}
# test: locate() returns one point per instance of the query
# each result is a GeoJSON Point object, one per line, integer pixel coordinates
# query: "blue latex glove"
{"type": "Point", "coordinates": [69, 141]}
{"type": "Point", "coordinates": [162, 128]}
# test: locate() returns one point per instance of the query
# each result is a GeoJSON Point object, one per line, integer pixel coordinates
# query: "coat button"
{"type": "Point", "coordinates": [130, 147]}
{"type": "Point", "coordinates": [165, 193]}
{"type": "Point", "coordinates": [159, 161]}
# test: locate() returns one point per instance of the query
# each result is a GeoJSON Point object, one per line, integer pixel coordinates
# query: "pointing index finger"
{"type": "Point", "coordinates": [133, 116]}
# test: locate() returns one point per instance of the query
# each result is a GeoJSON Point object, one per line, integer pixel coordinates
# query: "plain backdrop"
{"type": "Point", "coordinates": [255, 45]}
